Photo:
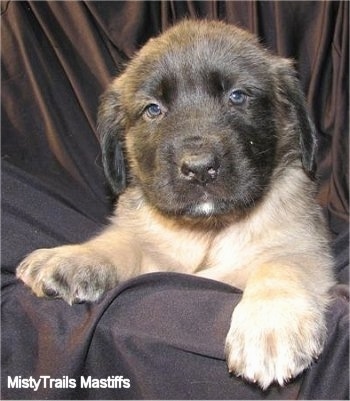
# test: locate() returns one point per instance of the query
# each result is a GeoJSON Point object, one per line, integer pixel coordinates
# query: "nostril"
{"type": "Point", "coordinates": [200, 168]}
{"type": "Point", "coordinates": [212, 171]}
{"type": "Point", "coordinates": [185, 169]}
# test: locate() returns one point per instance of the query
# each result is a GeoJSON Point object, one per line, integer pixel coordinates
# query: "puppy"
{"type": "Point", "coordinates": [208, 144]}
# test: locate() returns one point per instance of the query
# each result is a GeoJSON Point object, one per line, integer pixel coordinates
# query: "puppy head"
{"type": "Point", "coordinates": [201, 119]}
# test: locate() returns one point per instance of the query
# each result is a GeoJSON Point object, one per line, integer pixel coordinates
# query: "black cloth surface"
{"type": "Point", "coordinates": [163, 332]}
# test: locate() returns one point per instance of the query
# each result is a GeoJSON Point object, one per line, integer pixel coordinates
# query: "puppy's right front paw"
{"type": "Point", "coordinates": [71, 272]}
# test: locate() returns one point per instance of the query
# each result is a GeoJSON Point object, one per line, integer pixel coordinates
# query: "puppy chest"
{"type": "Point", "coordinates": [187, 252]}
{"type": "Point", "coordinates": [174, 251]}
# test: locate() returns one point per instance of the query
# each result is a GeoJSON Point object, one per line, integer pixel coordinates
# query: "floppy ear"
{"type": "Point", "coordinates": [293, 96]}
{"type": "Point", "coordinates": [110, 128]}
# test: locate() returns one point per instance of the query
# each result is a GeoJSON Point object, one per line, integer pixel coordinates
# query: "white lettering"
{"type": "Point", "coordinates": [22, 382]}
{"type": "Point", "coordinates": [108, 382]}
{"type": "Point", "coordinates": [64, 382]}
{"type": "Point", "coordinates": [13, 382]}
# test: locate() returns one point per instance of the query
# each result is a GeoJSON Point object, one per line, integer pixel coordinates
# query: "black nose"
{"type": "Point", "coordinates": [201, 168]}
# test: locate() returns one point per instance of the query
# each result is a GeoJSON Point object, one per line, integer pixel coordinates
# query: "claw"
{"type": "Point", "coordinates": [49, 292]}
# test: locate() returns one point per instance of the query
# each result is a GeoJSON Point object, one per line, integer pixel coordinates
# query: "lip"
{"type": "Point", "coordinates": [203, 208]}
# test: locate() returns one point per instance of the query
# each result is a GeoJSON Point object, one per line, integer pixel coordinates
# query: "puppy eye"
{"type": "Point", "coordinates": [238, 97]}
{"type": "Point", "coordinates": [152, 111]}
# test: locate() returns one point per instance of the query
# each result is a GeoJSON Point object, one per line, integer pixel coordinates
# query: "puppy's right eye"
{"type": "Point", "coordinates": [152, 111]}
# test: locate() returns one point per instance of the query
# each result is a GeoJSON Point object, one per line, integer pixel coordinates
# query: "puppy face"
{"type": "Point", "coordinates": [202, 119]}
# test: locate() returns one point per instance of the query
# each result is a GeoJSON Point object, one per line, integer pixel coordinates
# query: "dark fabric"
{"type": "Point", "coordinates": [163, 332]}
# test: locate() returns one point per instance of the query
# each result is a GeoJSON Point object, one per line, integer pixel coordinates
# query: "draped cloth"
{"type": "Point", "coordinates": [163, 332]}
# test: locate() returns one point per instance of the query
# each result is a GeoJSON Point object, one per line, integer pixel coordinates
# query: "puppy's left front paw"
{"type": "Point", "coordinates": [274, 340]}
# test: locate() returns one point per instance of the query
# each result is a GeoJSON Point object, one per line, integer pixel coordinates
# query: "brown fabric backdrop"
{"type": "Point", "coordinates": [165, 332]}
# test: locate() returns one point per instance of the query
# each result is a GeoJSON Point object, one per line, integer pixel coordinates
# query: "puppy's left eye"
{"type": "Point", "coordinates": [238, 97]}
{"type": "Point", "coordinates": [152, 111]}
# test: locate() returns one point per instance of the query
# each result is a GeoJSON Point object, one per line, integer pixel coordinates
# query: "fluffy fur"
{"type": "Point", "coordinates": [208, 144]}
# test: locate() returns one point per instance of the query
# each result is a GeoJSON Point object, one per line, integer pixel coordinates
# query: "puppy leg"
{"type": "Point", "coordinates": [278, 328]}
{"type": "Point", "coordinates": [82, 272]}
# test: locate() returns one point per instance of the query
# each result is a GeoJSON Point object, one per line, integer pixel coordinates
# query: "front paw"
{"type": "Point", "coordinates": [71, 272]}
{"type": "Point", "coordinates": [274, 340]}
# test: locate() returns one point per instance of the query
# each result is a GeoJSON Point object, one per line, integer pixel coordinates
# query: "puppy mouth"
{"type": "Point", "coordinates": [196, 202]}
{"type": "Point", "coordinates": [203, 206]}
{"type": "Point", "coordinates": [202, 209]}
{"type": "Point", "coordinates": [208, 208]}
